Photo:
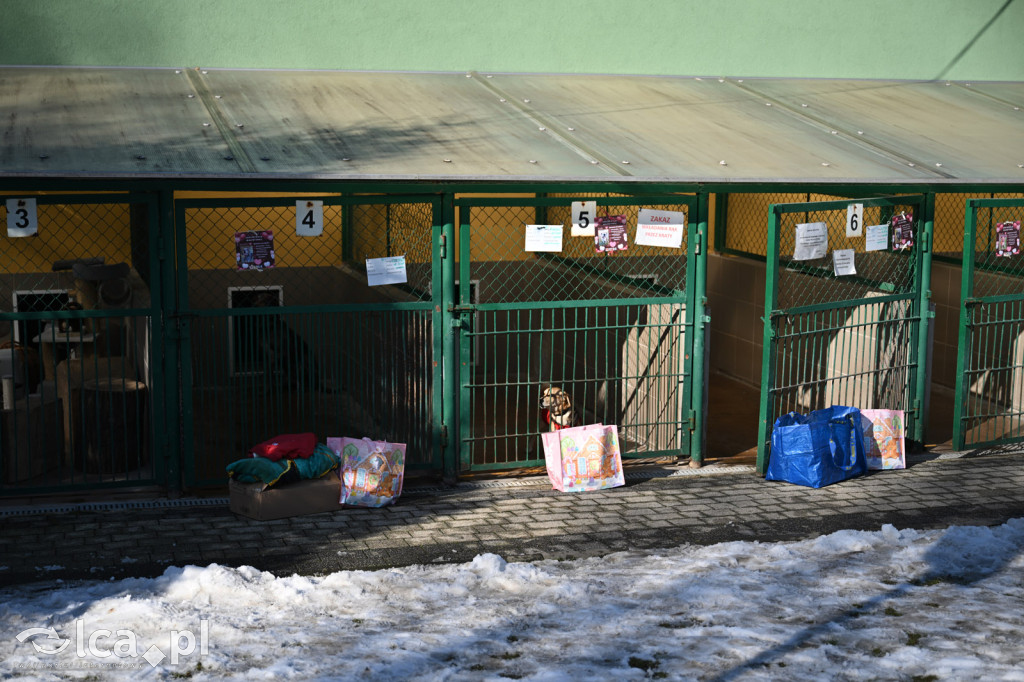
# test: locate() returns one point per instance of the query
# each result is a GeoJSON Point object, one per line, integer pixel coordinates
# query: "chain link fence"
{"type": "Point", "coordinates": [303, 340]}
{"type": "Point", "coordinates": [606, 327]}
{"type": "Point", "coordinates": [76, 342]}
{"type": "Point", "coordinates": [991, 383]}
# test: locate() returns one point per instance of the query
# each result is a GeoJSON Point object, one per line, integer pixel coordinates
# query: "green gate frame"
{"type": "Point", "coordinates": [462, 314]}
{"type": "Point", "coordinates": [160, 420]}
{"type": "Point", "coordinates": [984, 321]}
{"type": "Point", "coordinates": [918, 318]}
{"type": "Point", "coordinates": [183, 315]}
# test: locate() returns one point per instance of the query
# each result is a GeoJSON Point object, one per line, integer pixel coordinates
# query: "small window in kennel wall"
{"type": "Point", "coordinates": [36, 301]}
{"type": "Point", "coordinates": [245, 341]}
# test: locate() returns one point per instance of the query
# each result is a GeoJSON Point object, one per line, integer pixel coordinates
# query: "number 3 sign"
{"type": "Point", "coordinates": [21, 218]}
{"type": "Point", "coordinates": [855, 220]}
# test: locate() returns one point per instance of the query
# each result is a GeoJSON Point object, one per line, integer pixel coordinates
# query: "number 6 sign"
{"type": "Point", "coordinates": [855, 220]}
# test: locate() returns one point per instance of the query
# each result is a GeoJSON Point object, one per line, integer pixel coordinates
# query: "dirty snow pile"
{"type": "Point", "coordinates": [892, 604]}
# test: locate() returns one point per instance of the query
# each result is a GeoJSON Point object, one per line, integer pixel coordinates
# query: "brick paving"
{"type": "Point", "coordinates": [521, 520]}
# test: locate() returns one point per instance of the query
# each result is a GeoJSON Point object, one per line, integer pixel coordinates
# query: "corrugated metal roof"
{"type": "Point", "coordinates": [359, 125]}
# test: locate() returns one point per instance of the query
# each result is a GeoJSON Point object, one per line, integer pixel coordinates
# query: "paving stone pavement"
{"type": "Point", "coordinates": [519, 519]}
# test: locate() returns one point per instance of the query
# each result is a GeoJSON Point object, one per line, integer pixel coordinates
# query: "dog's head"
{"type": "Point", "coordinates": [556, 401]}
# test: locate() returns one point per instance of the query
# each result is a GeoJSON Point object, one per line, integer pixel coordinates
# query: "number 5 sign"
{"type": "Point", "coordinates": [309, 218]}
{"type": "Point", "coordinates": [583, 214]}
{"type": "Point", "coordinates": [855, 220]}
{"type": "Point", "coordinates": [21, 218]}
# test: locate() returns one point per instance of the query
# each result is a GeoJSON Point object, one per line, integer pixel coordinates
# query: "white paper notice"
{"type": "Point", "coordinates": [842, 261]}
{"type": "Point", "coordinates": [811, 241]}
{"type": "Point", "coordinates": [21, 218]}
{"type": "Point", "coordinates": [855, 220]}
{"type": "Point", "coordinates": [660, 228]}
{"type": "Point", "coordinates": [583, 214]}
{"type": "Point", "coordinates": [876, 238]}
{"type": "Point", "coordinates": [389, 270]}
{"type": "Point", "coordinates": [544, 238]}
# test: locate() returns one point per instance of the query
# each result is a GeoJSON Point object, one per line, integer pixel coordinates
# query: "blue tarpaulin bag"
{"type": "Point", "coordinates": [818, 449]}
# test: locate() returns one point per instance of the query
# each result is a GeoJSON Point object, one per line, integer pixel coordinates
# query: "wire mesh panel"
{"type": "Point", "coordinates": [990, 363]}
{"type": "Point", "coordinates": [844, 312]}
{"type": "Point", "coordinates": [80, 343]}
{"type": "Point", "coordinates": [302, 327]}
{"type": "Point", "coordinates": [608, 328]}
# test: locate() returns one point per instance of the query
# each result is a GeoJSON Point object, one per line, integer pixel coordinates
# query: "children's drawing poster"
{"type": "Point", "coordinates": [1008, 239]}
{"type": "Point", "coordinates": [883, 438]}
{"type": "Point", "coordinates": [610, 234]}
{"type": "Point", "coordinates": [902, 231]}
{"type": "Point", "coordinates": [254, 250]}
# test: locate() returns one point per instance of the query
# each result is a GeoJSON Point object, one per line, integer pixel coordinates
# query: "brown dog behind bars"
{"type": "Point", "coordinates": [557, 408]}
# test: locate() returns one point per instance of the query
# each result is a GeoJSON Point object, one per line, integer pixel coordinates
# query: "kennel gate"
{"type": "Point", "coordinates": [80, 292]}
{"type": "Point", "coordinates": [616, 330]}
{"type": "Point", "coordinates": [989, 404]}
{"type": "Point", "coordinates": [300, 341]}
{"type": "Point", "coordinates": [857, 339]}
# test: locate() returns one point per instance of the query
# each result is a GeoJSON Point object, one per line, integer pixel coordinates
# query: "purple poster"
{"type": "Point", "coordinates": [254, 250]}
{"type": "Point", "coordinates": [1008, 239]}
{"type": "Point", "coordinates": [610, 233]}
{"type": "Point", "coordinates": [902, 231]}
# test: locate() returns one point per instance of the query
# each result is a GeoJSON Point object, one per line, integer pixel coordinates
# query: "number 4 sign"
{"type": "Point", "coordinates": [309, 218]}
{"type": "Point", "coordinates": [583, 214]}
{"type": "Point", "coordinates": [855, 220]}
{"type": "Point", "coordinates": [21, 218]}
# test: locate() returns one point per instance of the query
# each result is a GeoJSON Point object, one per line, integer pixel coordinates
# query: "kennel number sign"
{"type": "Point", "coordinates": [21, 218]}
{"type": "Point", "coordinates": [583, 214]}
{"type": "Point", "coordinates": [309, 218]}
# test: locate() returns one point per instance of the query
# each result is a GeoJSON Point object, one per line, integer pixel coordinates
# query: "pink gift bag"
{"type": "Point", "coordinates": [583, 458]}
{"type": "Point", "coordinates": [883, 438]}
{"type": "Point", "coordinates": [371, 471]}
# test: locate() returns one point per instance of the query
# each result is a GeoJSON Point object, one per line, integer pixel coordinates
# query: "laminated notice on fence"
{"type": "Point", "coordinates": [254, 250]}
{"type": "Point", "coordinates": [660, 228]}
{"type": "Point", "coordinates": [390, 270]}
{"type": "Point", "coordinates": [902, 231]}
{"type": "Point", "coordinates": [876, 238]}
{"type": "Point", "coordinates": [1008, 239]}
{"type": "Point", "coordinates": [811, 241]}
{"type": "Point", "coordinates": [610, 234]}
{"type": "Point", "coordinates": [842, 262]}
{"type": "Point", "coordinates": [544, 238]}
{"type": "Point", "coordinates": [21, 218]}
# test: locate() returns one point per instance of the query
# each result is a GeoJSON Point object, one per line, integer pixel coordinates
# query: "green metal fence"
{"type": "Point", "coordinates": [836, 337]}
{"type": "Point", "coordinates": [80, 317]}
{"type": "Point", "coordinates": [283, 330]}
{"type": "Point", "coordinates": [616, 330]}
{"type": "Point", "coordinates": [989, 408]}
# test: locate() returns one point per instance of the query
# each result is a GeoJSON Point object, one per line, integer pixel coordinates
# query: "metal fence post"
{"type": "Point", "coordinates": [768, 356]}
{"type": "Point", "coordinates": [923, 312]}
{"type": "Point", "coordinates": [445, 410]}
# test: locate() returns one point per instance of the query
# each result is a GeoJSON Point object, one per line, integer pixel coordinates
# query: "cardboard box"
{"type": "Point", "coordinates": [292, 499]}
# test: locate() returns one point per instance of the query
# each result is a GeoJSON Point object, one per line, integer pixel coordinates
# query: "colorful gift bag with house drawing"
{"type": "Point", "coordinates": [371, 471]}
{"type": "Point", "coordinates": [883, 438]}
{"type": "Point", "coordinates": [583, 458]}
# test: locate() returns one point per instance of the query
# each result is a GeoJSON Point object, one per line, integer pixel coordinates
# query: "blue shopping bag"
{"type": "Point", "coordinates": [818, 449]}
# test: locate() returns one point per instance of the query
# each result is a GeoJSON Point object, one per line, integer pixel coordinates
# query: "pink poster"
{"type": "Point", "coordinates": [1008, 239]}
{"type": "Point", "coordinates": [254, 250]}
{"type": "Point", "coordinates": [610, 233]}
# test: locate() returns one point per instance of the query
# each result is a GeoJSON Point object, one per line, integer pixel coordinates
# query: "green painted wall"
{"type": "Point", "coordinates": [913, 39]}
